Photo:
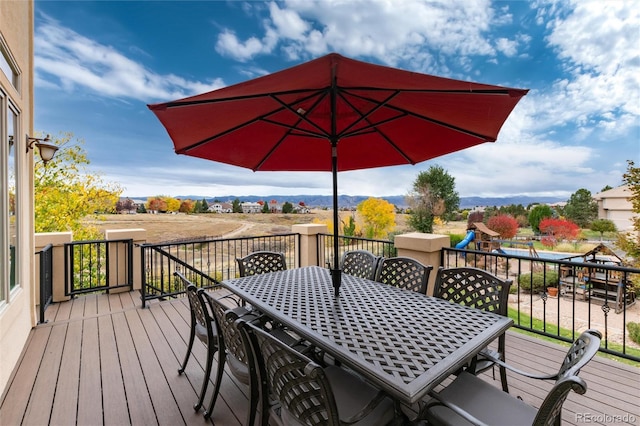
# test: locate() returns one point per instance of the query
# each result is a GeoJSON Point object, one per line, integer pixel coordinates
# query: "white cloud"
{"type": "Point", "coordinates": [392, 31]}
{"type": "Point", "coordinates": [69, 60]}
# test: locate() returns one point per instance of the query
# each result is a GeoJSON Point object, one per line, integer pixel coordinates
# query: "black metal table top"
{"type": "Point", "coordinates": [404, 342]}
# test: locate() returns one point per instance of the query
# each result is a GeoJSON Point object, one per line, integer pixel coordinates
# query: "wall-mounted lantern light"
{"type": "Point", "coordinates": [47, 150]}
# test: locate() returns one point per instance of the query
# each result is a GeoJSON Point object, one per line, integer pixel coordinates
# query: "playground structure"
{"type": "Point", "coordinates": [595, 282]}
{"type": "Point", "coordinates": [487, 240]}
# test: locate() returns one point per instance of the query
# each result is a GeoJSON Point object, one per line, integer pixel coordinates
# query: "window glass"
{"type": "Point", "coordinates": [7, 69]}
{"type": "Point", "coordinates": [12, 118]}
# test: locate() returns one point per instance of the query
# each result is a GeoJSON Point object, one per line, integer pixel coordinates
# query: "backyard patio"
{"type": "Point", "coordinates": [102, 359]}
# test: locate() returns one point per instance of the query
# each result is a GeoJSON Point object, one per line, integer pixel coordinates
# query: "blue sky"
{"type": "Point", "coordinates": [98, 64]}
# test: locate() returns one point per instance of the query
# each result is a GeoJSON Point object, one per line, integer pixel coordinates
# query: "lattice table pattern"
{"type": "Point", "coordinates": [400, 339]}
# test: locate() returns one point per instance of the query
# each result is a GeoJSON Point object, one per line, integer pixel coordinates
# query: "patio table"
{"type": "Point", "coordinates": [402, 341]}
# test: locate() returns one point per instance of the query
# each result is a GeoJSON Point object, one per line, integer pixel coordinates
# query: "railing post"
{"type": "Point", "coordinates": [57, 240]}
{"type": "Point", "coordinates": [309, 242]}
{"type": "Point", "coordinates": [423, 247]}
{"type": "Point", "coordinates": [139, 236]}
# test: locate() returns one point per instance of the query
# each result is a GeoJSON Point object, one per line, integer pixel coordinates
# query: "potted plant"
{"type": "Point", "coordinates": [552, 291]}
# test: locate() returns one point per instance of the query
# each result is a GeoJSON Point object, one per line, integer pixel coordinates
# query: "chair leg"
{"type": "Point", "coordinates": [205, 382]}
{"type": "Point", "coordinates": [216, 389]}
{"type": "Point", "coordinates": [192, 336]}
{"type": "Point", "coordinates": [503, 379]}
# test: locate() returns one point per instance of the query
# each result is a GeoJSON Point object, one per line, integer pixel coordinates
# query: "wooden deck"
{"type": "Point", "coordinates": [103, 360]}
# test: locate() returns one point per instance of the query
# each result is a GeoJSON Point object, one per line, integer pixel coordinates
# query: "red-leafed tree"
{"type": "Point", "coordinates": [504, 224]}
{"type": "Point", "coordinates": [556, 230]}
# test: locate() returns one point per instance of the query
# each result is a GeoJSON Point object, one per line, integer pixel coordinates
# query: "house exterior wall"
{"type": "Point", "coordinates": [615, 206]}
{"type": "Point", "coordinates": [17, 304]}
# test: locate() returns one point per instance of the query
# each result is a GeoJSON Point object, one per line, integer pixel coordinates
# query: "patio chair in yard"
{"type": "Point", "coordinates": [471, 400]}
{"type": "Point", "coordinates": [360, 263]}
{"type": "Point", "coordinates": [261, 262]}
{"type": "Point", "coordinates": [295, 390]}
{"type": "Point", "coordinates": [479, 289]}
{"type": "Point", "coordinates": [405, 273]}
{"type": "Point", "coordinates": [204, 328]}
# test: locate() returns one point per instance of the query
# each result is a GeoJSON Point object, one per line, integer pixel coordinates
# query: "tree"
{"type": "Point", "coordinates": [379, 217]}
{"type": "Point", "coordinates": [581, 208]}
{"type": "Point", "coordinates": [503, 224]}
{"type": "Point", "coordinates": [236, 207]}
{"type": "Point", "coordinates": [125, 205]}
{"type": "Point", "coordinates": [557, 230]}
{"type": "Point", "coordinates": [287, 207]}
{"type": "Point", "coordinates": [65, 192]}
{"type": "Point", "coordinates": [602, 226]}
{"type": "Point", "coordinates": [265, 208]}
{"type": "Point", "coordinates": [204, 206]}
{"type": "Point", "coordinates": [606, 188]}
{"type": "Point", "coordinates": [156, 204]}
{"type": "Point", "coordinates": [475, 216]}
{"type": "Point", "coordinates": [630, 241]}
{"type": "Point", "coordinates": [173, 204]}
{"type": "Point", "coordinates": [187, 206]}
{"type": "Point", "coordinates": [537, 214]}
{"type": "Point", "coordinates": [433, 194]}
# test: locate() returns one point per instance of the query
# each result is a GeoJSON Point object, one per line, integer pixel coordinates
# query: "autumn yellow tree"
{"type": "Point", "coordinates": [66, 192]}
{"type": "Point", "coordinates": [379, 217]}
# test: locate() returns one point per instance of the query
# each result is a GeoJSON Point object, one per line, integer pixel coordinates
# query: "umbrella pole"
{"type": "Point", "coordinates": [336, 273]}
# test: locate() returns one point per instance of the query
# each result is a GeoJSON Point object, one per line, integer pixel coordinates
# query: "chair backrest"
{"type": "Point", "coordinates": [225, 318]}
{"type": "Point", "coordinates": [299, 384]}
{"type": "Point", "coordinates": [579, 354]}
{"type": "Point", "coordinates": [261, 262]}
{"type": "Point", "coordinates": [473, 287]}
{"type": "Point", "coordinates": [405, 273]}
{"type": "Point", "coordinates": [199, 313]}
{"type": "Point", "coordinates": [360, 263]}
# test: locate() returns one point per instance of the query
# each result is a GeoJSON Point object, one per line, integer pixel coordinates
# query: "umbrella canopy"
{"type": "Point", "coordinates": [336, 114]}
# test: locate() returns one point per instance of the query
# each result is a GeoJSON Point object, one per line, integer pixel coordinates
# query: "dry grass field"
{"type": "Point", "coordinates": [170, 227]}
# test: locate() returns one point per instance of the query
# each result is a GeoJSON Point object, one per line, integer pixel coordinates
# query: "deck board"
{"type": "Point", "coordinates": [105, 360]}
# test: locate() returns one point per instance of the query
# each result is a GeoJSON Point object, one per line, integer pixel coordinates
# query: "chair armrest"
{"type": "Point", "coordinates": [438, 400]}
{"type": "Point", "coordinates": [490, 356]}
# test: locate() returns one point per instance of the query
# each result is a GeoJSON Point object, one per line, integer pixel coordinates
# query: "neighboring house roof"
{"type": "Point", "coordinates": [619, 192]}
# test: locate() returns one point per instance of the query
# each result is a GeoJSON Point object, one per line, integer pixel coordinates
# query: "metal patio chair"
{"type": "Point", "coordinates": [261, 262]}
{"type": "Point", "coordinates": [405, 273]}
{"type": "Point", "coordinates": [478, 289]}
{"type": "Point", "coordinates": [295, 390]}
{"type": "Point", "coordinates": [203, 327]}
{"type": "Point", "coordinates": [360, 263]}
{"type": "Point", "coordinates": [471, 400]}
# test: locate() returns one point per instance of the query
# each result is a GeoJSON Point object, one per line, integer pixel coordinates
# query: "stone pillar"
{"type": "Point", "coordinates": [58, 240]}
{"type": "Point", "coordinates": [117, 269]}
{"type": "Point", "coordinates": [309, 242]}
{"type": "Point", "coordinates": [425, 248]}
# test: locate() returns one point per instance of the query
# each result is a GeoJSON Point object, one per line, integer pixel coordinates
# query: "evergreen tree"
{"type": "Point", "coordinates": [236, 206]}
{"type": "Point", "coordinates": [581, 208]}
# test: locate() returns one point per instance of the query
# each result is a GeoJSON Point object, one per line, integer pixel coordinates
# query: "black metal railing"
{"type": "Point", "coordinates": [588, 294]}
{"type": "Point", "coordinates": [208, 261]}
{"type": "Point", "coordinates": [325, 247]}
{"type": "Point", "coordinates": [46, 279]}
{"type": "Point", "coordinates": [99, 265]}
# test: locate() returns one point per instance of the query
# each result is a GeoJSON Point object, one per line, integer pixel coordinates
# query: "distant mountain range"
{"type": "Point", "coordinates": [353, 200]}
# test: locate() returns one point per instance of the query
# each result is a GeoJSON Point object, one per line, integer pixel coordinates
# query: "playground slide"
{"type": "Point", "coordinates": [470, 236]}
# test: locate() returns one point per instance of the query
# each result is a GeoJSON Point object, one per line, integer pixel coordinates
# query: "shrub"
{"type": "Point", "coordinates": [634, 331]}
{"type": "Point", "coordinates": [455, 239]}
{"type": "Point", "coordinates": [503, 224]}
{"type": "Point", "coordinates": [537, 283]}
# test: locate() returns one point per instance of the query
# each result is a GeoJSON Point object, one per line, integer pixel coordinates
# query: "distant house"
{"type": "Point", "coordinates": [275, 207]}
{"type": "Point", "coordinates": [248, 207]}
{"type": "Point", "coordinates": [221, 208]}
{"type": "Point", "coordinates": [615, 205]}
{"type": "Point", "coordinates": [301, 209]}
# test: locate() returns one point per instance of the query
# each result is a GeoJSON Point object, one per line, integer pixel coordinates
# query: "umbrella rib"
{"type": "Point", "coordinates": [425, 118]}
{"type": "Point", "coordinates": [184, 103]}
{"type": "Point", "coordinates": [290, 128]}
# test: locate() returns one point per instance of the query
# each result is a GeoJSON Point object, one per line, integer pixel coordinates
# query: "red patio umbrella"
{"type": "Point", "coordinates": [336, 114]}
